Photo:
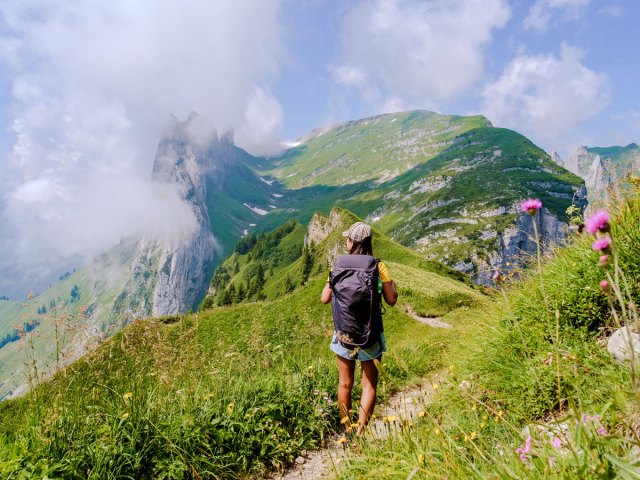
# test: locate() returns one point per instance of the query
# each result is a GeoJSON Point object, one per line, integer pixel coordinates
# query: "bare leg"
{"type": "Point", "coordinates": [369, 385]}
{"type": "Point", "coordinates": [346, 369]}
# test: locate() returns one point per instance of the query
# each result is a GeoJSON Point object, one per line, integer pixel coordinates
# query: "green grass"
{"type": "Point", "coordinates": [230, 392]}
{"type": "Point", "coordinates": [531, 359]}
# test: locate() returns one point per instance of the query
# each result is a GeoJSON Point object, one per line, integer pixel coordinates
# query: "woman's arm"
{"type": "Point", "coordinates": [390, 293]}
{"type": "Point", "coordinates": [325, 296]}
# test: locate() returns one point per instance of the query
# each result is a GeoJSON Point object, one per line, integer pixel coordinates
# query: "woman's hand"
{"type": "Point", "coordinates": [325, 296]}
{"type": "Point", "coordinates": [390, 293]}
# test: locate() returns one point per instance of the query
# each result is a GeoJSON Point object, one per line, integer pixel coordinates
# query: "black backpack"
{"type": "Point", "coordinates": [356, 300]}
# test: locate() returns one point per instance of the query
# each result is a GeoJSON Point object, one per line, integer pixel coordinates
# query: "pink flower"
{"type": "Point", "coordinates": [522, 451]}
{"type": "Point", "coordinates": [599, 221]}
{"type": "Point", "coordinates": [602, 244]}
{"type": "Point", "coordinates": [602, 431]}
{"type": "Point", "coordinates": [531, 205]}
{"type": "Point", "coordinates": [604, 285]}
{"type": "Point", "coordinates": [604, 261]}
{"type": "Point", "coordinates": [552, 461]}
{"type": "Point", "coordinates": [556, 443]}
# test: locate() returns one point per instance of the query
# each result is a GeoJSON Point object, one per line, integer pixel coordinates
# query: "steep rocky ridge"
{"type": "Point", "coordinates": [149, 274]}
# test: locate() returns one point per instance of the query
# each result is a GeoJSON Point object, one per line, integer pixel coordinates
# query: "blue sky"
{"type": "Point", "coordinates": [87, 87]}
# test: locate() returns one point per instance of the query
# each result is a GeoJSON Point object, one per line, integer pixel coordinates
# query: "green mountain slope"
{"type": "Point", "coordinates": [267, 266]}
{"type": "Point", "coordinates": [447, 186]}
{"type": "Point", "coordinates": [229, 392]}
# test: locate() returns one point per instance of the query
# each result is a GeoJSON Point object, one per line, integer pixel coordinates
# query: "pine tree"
{"type": "Point", "coordinates": [289, 286]}
{"type": "Point", "coordinates": [307, 262]}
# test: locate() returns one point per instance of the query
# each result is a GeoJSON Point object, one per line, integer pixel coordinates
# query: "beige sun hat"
{"type": "Point", "coordinates": [358, 232]}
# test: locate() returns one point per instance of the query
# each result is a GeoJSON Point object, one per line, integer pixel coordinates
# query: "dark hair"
{"type": "Point", "coordinates": [362, 248]}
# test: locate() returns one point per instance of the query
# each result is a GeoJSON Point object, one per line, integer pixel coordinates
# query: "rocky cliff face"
{"type": "Point", "coordinates": [171, 277]}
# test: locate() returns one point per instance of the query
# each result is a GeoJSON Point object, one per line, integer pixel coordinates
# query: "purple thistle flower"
{"type": "Point", "coordinates": [604, 285]}
{"type": "Point", "coordinates": [602, 244]}
{"type": "Point", "coordinates": [602, 431]}
{"type": "Point", "coordinates": [531, 205]}
{"type": "Point", "coordinates": [604, 261]}
{"type": "Point", "coordinates": [598, 222]}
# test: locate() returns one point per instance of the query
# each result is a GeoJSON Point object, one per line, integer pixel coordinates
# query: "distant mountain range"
{"type": "Point", "coordinates": [602, 168]}
{"type": "Point", "coordinates": [445, 186]}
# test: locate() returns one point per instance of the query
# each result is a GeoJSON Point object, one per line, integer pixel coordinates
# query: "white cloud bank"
{"type": "Point", "coordinates": [409, 53]}
{"type": "Point", "coordinates": [545, 96]}
{"type": "Point", "coordinates": [92, 85]}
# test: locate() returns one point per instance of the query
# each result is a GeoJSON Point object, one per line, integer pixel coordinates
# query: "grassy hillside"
{"type": "Point", "coordinates": [229, 392]}
{"type": "Point", "coordinates": [70, 317]}
{"type": "Point", "coordinates": [443, 185]}
{"type": "Point", "coordinates": [267, 266]}
{"type": "Point", "coordinates": [532, 391]}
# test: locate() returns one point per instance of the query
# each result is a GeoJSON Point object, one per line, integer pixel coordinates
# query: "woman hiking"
{"type": "Point", "coordinates": [355, 287]}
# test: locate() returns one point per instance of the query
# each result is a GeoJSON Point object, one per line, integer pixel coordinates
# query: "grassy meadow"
{"type": "Point", "coordinates": [229, 392]}
{"type": "Point", "coordinates": [532, 391]}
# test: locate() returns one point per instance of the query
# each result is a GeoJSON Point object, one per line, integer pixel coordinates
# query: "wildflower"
{"type": "Point", "coordinates": [552, 461]}
{"type": "Point", "coordinates": [421, 414]}
{"type": "Point", "coordinates": [437, 431]}
{"type": "Point", "coordinates": [344, 420]}
{"type": "Point", "coordinates": [604, 261]}
{"type": "Point", "coordinates": [604, 285]}
{"type": "Point", "coordinates": [474, 407]}
{"type": "Point", "coordinates": [390, 418]}
{"type": "Point", "coordinates": [556, 443]}
{"type": "Point", "coordinates": [230, 408]}
{"type": "Point", "coordinates": [125, 415]}
{"type": "Point", "coordinates": [420, 458]}
{"type": "Point", "coordinates": [435, 386]}
{"type": "Point", "coordinates": [531, 206]}
{"type": "Point", "coordinates": [602, 431]}
{"type": "Point", "coordinates": [522, 451]}
{"type": "Point", "coordinates": [497, 277]}
{"type": "Point", "coordinates": [473, 435]}
{"type": "Point", "coordinates": [598, 222]}
{"type": "Point", "coordinates": [127, 396]}
{"type": "Point", "coordinates": [602, 245]}
{"type": "Point", "coordinates": [341, 440]}
{"type": "Point", "coordinates": [482, 425]}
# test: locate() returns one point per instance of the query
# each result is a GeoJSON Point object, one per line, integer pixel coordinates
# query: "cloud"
{"type": "Point", "coordinates": [544, 11]}
{"type": "Point", "coordinates": [92, 87]}
{"type": "Point", "coordinates": [262, 121]}
{"type": "Point", "coordinates": [545, 96]}
{"type": "Point", "coordinates": [417, 53]}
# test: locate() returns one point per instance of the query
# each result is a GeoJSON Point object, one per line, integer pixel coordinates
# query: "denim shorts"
{"type": "Point", "coordinates": [371, 353]}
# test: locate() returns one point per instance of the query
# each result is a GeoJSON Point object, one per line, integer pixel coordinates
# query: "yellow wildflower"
{"type": "Point", "coordinates": [474, 407]}
{"type": "Point", "coordinates": [422, 414]}
{"type": "Point", "coordinates": [390, 418]}
{"type": "Point", "coordinates": [482, 425]}
{"type": "Point", "coordinates": [420, 458]}
{"type": "Point", "coordinates": [341, 440]}
{"type": "Point", "coordinates": [125, 415]}
{"type": "Point", "coordinates": [354, 425]}
{"type": "Point", "coordinates": [473, 435]}
{"type": "Point", "coordinates": [127, 395]}
{"type": "Point", "coordinates": [437, 431]}
{"type": "Point", "coordinates": [344, 420]}
{"type": "Point", "coordinates": [230, 407]}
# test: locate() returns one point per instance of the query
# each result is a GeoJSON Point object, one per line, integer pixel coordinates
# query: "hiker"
{"type": "Point", "coordinates": [356, 284]}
